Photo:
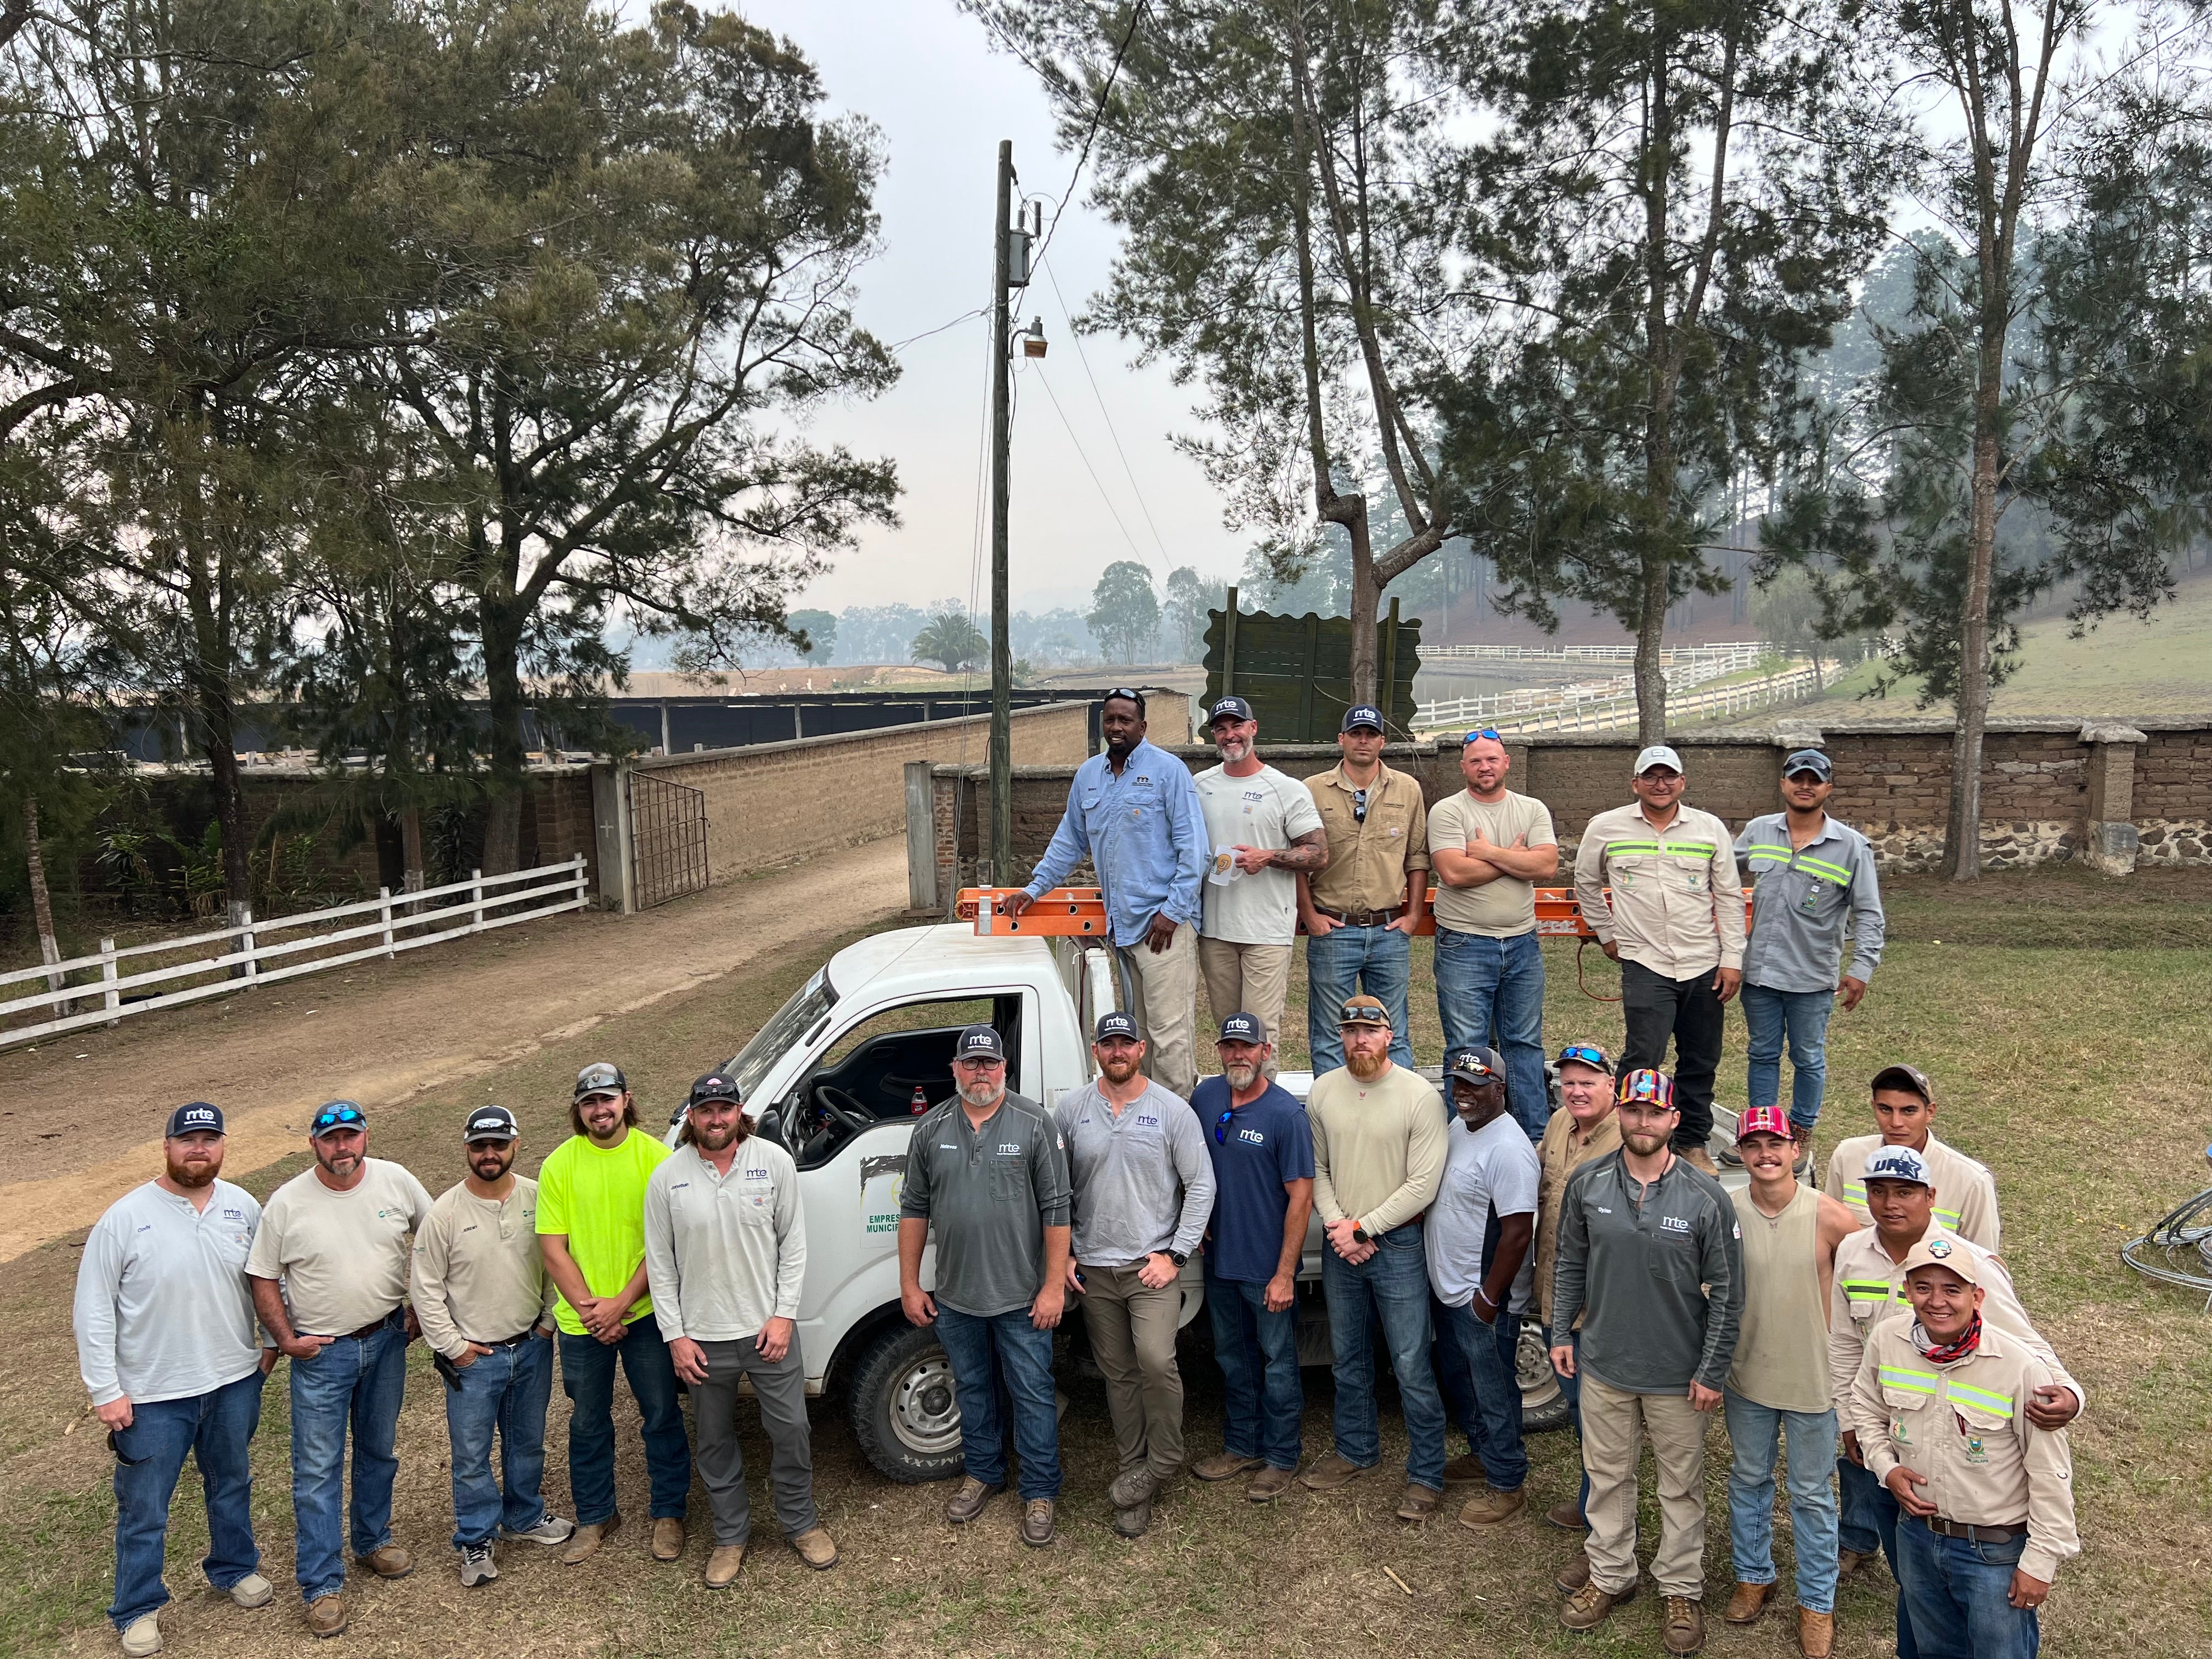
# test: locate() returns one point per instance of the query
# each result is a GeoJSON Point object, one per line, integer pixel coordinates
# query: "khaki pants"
{"type": "Point", "coordinates": [1166, 1008]}
{"type": "Point", "coordinates": [1250, 979]}
{"type": "Point", "coordinates": [1614, 1423]}
{"type": "Point", "coordinates": [1133, 1337]}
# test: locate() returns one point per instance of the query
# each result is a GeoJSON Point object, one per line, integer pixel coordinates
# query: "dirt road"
{"type": "Point", "coordinates": [76, 1111]}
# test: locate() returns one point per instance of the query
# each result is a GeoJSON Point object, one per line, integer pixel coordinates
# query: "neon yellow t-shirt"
{"type": "Point", "coordinates": [596, 1196]}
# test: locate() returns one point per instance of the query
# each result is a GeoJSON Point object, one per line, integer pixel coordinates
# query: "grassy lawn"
{"type": "Point", "coordinates": [2064, 1020]}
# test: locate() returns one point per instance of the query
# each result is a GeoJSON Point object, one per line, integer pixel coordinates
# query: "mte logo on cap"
{"type": "Point", "coordinates": [196, 1117]}
{"type": "Point", "coordinates": [490, 1123]}
{"type": "Point", "coordinates": [979, 1042]}
{"type": "Point", "coordinates": [1241, 1027]}
{"type": "Point", "coordinates": [1362, 714]}
{"type": "Point", "coordinates": [1477, 1064]}
{"type": "Point", "coordinates": [1898, 1164]}
{"type": "Point", "coordinates": [1116, 1024]}
{"type": "Point", "coordinates": [1229, 708]}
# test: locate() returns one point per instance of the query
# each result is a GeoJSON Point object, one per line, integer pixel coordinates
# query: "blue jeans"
{"type": "Point", "coordinates": [1488, 1353]}
{"type": "Point", "coordinates": [1391, 1285]}
{"type": "Point", "coordinates": [355, 1382]}
{"type": "Point", "coordinates": [1344, 963]}
{"type": "Point", "coordinates": [1755, 1430]}
{"type": "Point", "coordinates": [1572, 1388]}
{"type": "Point", "coordinates": [507, 1390]}
{"type": "Point", "coordinates": [1869, 1519]}
{"type": "Point", "coordinates": [1264, 1401]}
{"type": "Point", "coordinates": [215, 1429]}
{"type": "Point", "coordinates": [1484, 982]}
{"type": "Point", "coordinates": [1954, 1592]}
{"type": "Point", "coordinates": [987, 1350]}
{"type": "Point", "coordinates": [587, 1378]}
{"type": "Point", "coordinates": [1803, 1016]}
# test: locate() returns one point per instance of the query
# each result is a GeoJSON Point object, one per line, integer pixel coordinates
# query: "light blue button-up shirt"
{"type": "Point", "coordinates": [1143, 834]}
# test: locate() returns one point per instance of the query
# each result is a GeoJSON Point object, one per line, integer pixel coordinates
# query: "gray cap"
{"type": "Point", "coordinates": [1116, 1024]}
{"type": "Point", "coordinates": [1657, 755]}
{"type": "Point", "coordinates": [601, 1077]}
{"type": "Point", "coordinates": [1905, 1080]}
{"type": "Point", "coordinates": [195, 1118]}
{"type": "Point", "coordinates": [1808, 760]}
{"type": "Point", "coordinates": [1241, 1027]}
{"type": "Point", "coordinates": [980, 1040]}
{"type": "Point", "coordinates": [490, 1123]}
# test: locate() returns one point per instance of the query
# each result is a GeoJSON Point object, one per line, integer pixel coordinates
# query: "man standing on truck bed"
{"type": "Point", "coordinates": [1133, 812]}
{"type": "Point", "coordinates": [989, 1169]}
{"type": "Point", "coordinates": [1144, 1188]}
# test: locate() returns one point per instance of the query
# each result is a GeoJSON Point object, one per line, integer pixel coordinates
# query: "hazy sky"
{"type": "Point", "coordinates": [927, 76]}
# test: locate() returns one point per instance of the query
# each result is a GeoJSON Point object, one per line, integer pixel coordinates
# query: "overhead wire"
{"type": "Point", "coordinates": [1097, 115]}
{"type": "Point", "coordinates": [1099, 397]}
{"type": "Point", "coordinates": [1084, 456]}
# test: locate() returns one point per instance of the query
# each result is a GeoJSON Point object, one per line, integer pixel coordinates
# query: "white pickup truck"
{"type": "Point", "coordinates": [838, 1076]}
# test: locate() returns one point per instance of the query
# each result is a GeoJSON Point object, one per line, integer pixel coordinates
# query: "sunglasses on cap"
{"type": "Point", "coordinates": [1471, 1070]}
{"type": "Point", "coordinates": [337, 1117]}
{"type": "Point", "coordinates": [1585, 1054]}
{"type": "Point", "coordinates": [1490, 731]}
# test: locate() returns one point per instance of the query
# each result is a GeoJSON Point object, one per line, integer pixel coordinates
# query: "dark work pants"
{"type": "Point", "coordinates": [1690, 1011]}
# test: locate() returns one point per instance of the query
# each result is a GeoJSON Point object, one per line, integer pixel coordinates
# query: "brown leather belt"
{"type": "Point", "coordinates": [1975, 1535]}
{"type": "Point", "coordinates": [1362, 917]}
{"type": "Point", "coordinates": [372, 1327]}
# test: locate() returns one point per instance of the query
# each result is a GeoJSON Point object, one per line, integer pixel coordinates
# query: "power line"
{"type": "Point", "coordinates": [1084, 357]}
{"type": "Point", "coordinates": [1092, 470]}
{"type": "Point", "coordinates": [1097, 115]}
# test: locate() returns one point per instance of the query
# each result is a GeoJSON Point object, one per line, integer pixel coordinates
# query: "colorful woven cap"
{"type": "Point", "coordinates": [1762, 1120]}
{"type": "Point", "coordinates": [1656, 1087]}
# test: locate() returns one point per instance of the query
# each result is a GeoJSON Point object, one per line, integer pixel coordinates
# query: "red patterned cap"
{"type": "Point", "coordinates": [1762, 1120]}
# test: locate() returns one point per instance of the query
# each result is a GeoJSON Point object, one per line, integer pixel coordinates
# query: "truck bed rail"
{"type": "Point", "coordinates": [1082, 910]}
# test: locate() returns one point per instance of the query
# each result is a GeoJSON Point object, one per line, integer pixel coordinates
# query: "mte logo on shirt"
{"type": "Point", "coordinates": [1673, 1224]}
{"type": "Point", "coordinates": [1009, 1149]}
{"type": "Point", "coordinates": [757, 1174]}
{"type": "Point", "coordinates": [1255, 1137]}
{"type": "Point", "coordinates": [1148, 1123]}
{"type": "Point", "coordinates": [234, 1215]}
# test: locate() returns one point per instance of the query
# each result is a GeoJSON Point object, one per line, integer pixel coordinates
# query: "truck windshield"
{"type": "Point", "coordinates": [808, 1006]}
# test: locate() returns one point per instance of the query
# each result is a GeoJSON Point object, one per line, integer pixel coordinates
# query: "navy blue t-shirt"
{"type": "Point", "coordinates": [1262, 1147]}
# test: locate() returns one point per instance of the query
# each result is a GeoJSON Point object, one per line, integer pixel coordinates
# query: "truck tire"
{"type": "Point", "coordinates": [903, 1407]}
{"type": "Point", "coordinates": [1543, 1403]}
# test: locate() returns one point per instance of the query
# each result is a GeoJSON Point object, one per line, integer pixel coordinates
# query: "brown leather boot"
{"type": "Point", "coordinates": [970, 1501]}
{"type": "Point", "coordinates": [1587, 1607]}
{"type": "Point", "coordinates": [1567, 1517]}
{"type": "Point", "coordinates": [1466, 1471]}
{"type": "Point", "coordinates": [584, 1542]}
{"type": "Point", "coordinates": [1493, 1507]}
{"type": "Point", "coordinates": [1330, 1473]}
{"type": "Point", "coordinates": [1748, 1601]}
{"type": "Point", "coordinates": [1226, 1465]}
{"type": "Point", "coordinates": [326, 1616]}
{"type": "Point", "coordinates": [1683, 1629]}
{"type": "Point", "coordinates": [390, 1562]}
{"type": "Point", "coordinates": [1419, 1502]}
{"type": "Point", "coordinates": [817, 1548]}
{"type": "Point", "coordinates": [1575, 1574]}
{"type": "Point", "coordinates": [1268, 1484]}
{"type": "Point", "coordinates": [667, 1538]}
{"type": "Point", "coordinates": [1816, 1633]}
{"type": "Point", "coordinates": [724, 1563]}
{"type": "Point", "coordinates": [1699, 1157]}
{"type": "Point", "coordinates": [1036, 1523]}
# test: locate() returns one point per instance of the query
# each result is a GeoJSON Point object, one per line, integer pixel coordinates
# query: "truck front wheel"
{"type": "Point", "coordinates": [904, 1410]}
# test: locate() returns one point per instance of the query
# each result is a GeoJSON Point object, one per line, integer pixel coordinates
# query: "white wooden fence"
{"type": "Point", "coordinates": [1522, 707]}
{"type": "Point", "coordinates": [243, 955]}
{"type": "Point", "coordinates": [1617, 709]}
{"type": "Point", "coordinates": [1573, 653]}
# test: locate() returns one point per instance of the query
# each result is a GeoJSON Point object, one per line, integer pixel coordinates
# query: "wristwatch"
{"type": "Point", "coordinates": [1178, 1257]}
{"type": "Point", "coordinates": [1359, 1235]}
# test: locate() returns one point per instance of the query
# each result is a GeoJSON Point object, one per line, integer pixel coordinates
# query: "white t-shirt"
{"type": "Point", "coordinates": [1269, 809]}
{"type": "Point", "coordinates": [342, 1258]}
{"type": "Point", "coordinates": [1493, 1170]}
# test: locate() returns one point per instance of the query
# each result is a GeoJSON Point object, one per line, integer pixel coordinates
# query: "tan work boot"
{"type": "Point", "coordinates": [723, 1564]}
{"type": "Point", "coordinates": [667, 1538]}
{"type": "Point", "coordinates": [1330, 1473]}
{"type": "Point", "coordinates": [970, 1501]}
{"type": "Point", "coordinates": [1816, 1633]}
{"type": "Point", "coordinates": [1587, 1607]}
{"type": "Point", "coordinates": [1493, 1507]}
{"type": "Point", "coordinates": [817, 1548]}
{"type": "Point", "coordinates": [142, 1638]}
{"type": "Point", "coordinates": [1268, 1484]}
{"type": "Point", "coordinates": [1568, 1516]}
{"type": "Point", "coordinates": [584, 1542]}
{"type": "Point", "coordinates": [1683, 1629]}
{"type": "Point", "coordinates": [1747, 1603]}
{"type": "Point", "coordinates": [326, 1616]}
{"type": "Point", "coordinates": [1419, 1501]}
{"type": "Point", "coordinates": [390, 1562]}
{"type": "Point", "coordinates": [1849, 1561]}
{"type": "Point", "coordinates": [1036, 1523]}
{"type": "Point", "coordinates": [1702, 1159]}
{"type": "Point", "coordinates": [1224, 1466]}
{"type": "Point", "coordinates": [1465, 1471]}
{"type": "Point", "coordinates": [1801, 1138]}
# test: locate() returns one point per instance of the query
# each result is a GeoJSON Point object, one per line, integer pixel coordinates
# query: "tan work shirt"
{"type": "Point", "coordinates": [1368, 859]}
{"type": "Point", "coordinates": [1677, 901]}
{"type": "Point", "coordinates": [1562, 1152]}
{"type": "Point", "coordinates": [1378, 1147]}
{"type": "Point", "coordinates": [1966, 1191]}
{"type": "Point", "coordinates": [1964, 1428]}
{"type": "Point", "coordinates": [341, 1258]}
{"type": "Point", "coordinates": [479, 1275]}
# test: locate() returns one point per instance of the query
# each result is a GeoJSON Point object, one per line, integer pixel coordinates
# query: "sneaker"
{"type": "Point", "coordinates": [1268, 1484]}
{"type": "Point", "coordinates": [1132, 1487]}
{"type": "Point", "coordinates": [390, 1562]}
{"type": "Point", "coordinates": [1332, 1472]}
{"type": "Point", "coordinates": [1587, 1607]}
{"type": "Point", "coordinates": [1683, 1628]}
{"type": "Point", "coordinates": [1036, 1523]}
{"type": "Point", "coordinates": [1493, 1507]}
{"type": "Point", "coordinates": [550, 1529]}
{"type": "Point", "coordinates": [477, 1565]}
{"type": "Point", "coordinates": [970, 1501]}
{"type": "Point", "coordinates": [251, 1591]}
{"type": "Point", "coordinates": [326, 1615]}
{"type": "Point", "coordinates": [142, 1636]}
{"type": "Point", "coordinates": [1226, 1465]}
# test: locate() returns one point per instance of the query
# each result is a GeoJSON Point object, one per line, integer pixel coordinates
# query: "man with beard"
{"type": "Point", "coordinates": [165, 1343]}
{"type": "Point", "coordinates": [1264, 821]}
{"type": "Point", "coordinates": [1648, 1248]}
{"type": "Point", "coordinates": [591, 1224]}
{"type": "Point", "coordinates": [329, 1272]}
{"type": "Point", "coordinates": [478, 1268]}
{"type": "Point", "coordinates": [1143, 1190]}
{"type": "Point", "coordinates": [1378, 1135]}
{"type": "Point", "coordinates": [989, 1169]}
{"type": "Point", "coordinates": [726, 1255]}
{"type": "Point", "coordinates": [1262, 1152]}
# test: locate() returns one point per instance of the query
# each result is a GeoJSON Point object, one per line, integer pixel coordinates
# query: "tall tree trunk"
{"type": "Point", "coordinates": [1962, 836]}
{"type": "Point", "coordinates": [1651, 631]}
{"type": "Point", "coordinates": [1366, 606]}
{"type": "Point", "coordinates": [502, 618]}
{"type": "Point", "coordinates": [411, 840]}
{"type": "Point", "coordinates": [42, 904]}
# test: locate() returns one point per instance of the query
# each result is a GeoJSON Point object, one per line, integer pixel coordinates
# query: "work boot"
{"type": "Point", "coordinates": [584, 1543]}
{"type": "Point", "coordinates": [817, 1548]}
{"type": "Point", "coordinates": [1268, 1484]}
{"type": "Point", "coordinates": [1226, 1465]}
{"type": "Point", "coordinates": [1849, 1561]}
{"type": "Point", "coordinates": [970, 1501]}
{"type": "Point", "coordinates": [1816, 1633]}
{"type": "Point", "coordinates": [1587, 1607]}
{"type": "Point", "coordinates": [550, 1529]}
{"type": "Point", "coordinates": [1567, 1517]}
{"type": "Point", "coordinates": [1419, 1501]}
{"type": "Point", "coordinates": [667, 1537]}
{"type": "Point", "coordinates": [1133, 1486]}
{"type": "Point", "coordinates": [1493, 1507]}
{"type": "Point", "coordinates": [142, 1636]}
{"type": "Point", "coordinates": [1575, 1574]}
{"type": "Point", "coordinates": [1683, 1629]}
{"type": "Point", "coordinates": [1332, 1472]}
{"type": "Point", "coordinates": [723, 1563]}
{"type": "Point", "coordinates": [1134, 1519]}
{"type": "Point", "coordinates": [326, 1615]}
{"type": "Point", "coordinates": [1702, 1159]}
{"type": "Point", "coordinates": [1466, 1471]}
{"type": "Point", "coordinates": [1800, 1136]}
{"type": "Point", "coordinates": [1036, 1523]}
{"type": "Point", "coordinates": [1732, 1157]}
{"type": "Point", "coordinates": [251, 1591]}
{"type": "Point", "coordinates": [477, 1565]}
{"type": "Point", "coordinates": [390, 1562]}
{"type": "Point", "coordinates": [1748, 1601]}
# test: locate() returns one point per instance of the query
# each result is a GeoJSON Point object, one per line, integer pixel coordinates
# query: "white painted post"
{"type": "Point", "coordinates": [252, 945]}
{"type": "Point", "coordinates": [110, 998]}
{"type": "Point", "coordinates": [578, 862]}
{"type": "Point", "coordinates": [384, 915]}
{"type": "Point", "coordinates": [475, 900]}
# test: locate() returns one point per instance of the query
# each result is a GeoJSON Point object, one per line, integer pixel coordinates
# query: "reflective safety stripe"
{"type": "Point", "coordinates": [1948, 1218]}
{"type": "Point", "coordinates": [1615, 848]}
{"type": "Point", "coordinates": [1959, 1394]}
{"type": "Point", "coordinates": [1821, 867]}
{"type": "Point", "coordinates": [1688, 849]}
{"type": "Point", "coordinates": [1873, 1290]}
{"type": "Point", "coordinates": [1781, 853]}
{"type": "Point", "coordinates": [1897, 1377]}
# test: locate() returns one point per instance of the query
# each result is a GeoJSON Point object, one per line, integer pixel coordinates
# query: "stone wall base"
{"type": "Point", "coordinates": [2174, 841]}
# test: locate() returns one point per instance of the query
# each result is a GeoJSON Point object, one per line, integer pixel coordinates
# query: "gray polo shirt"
{"type": "Point", "coordinates": [1801, 898]}
{"type": "Point", "coordinates": [989, 1194]}
{"type": "Point", "coordinates": [1142, 1179]}
{"type": "Point", "coordinates": [724, 1254]}
{"type": "Point", "coordinates": [163, 1310]}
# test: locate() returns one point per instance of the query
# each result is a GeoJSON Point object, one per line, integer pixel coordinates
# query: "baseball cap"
{"type": "Point", "coordinates": [1363, 1011]}
{"type": "Point", "coordinates": [1116, 1024]}
{"type": "Point", "coordinates": [1762, 1120]}
{"type": "Point", "coordinates": [980, 1040]}
{"type": "Point", "coordinates": [601, 1077]}
{"type": "Point", "coordinates": [1362, 714]}
{"type": "Point", "coordinates": [1909, 1078]}
{"type": "Point", "coordinates": [1585, 1054]}
{"type": "Point", "coordinates": [1808, 760]}
{"type": "Point", "coordinates": [715, 1086]}
{"type": "Point", "coordinates": [1241, 1027]}
{"type": "Point", "coordinates": [337, 1115]}
{"type": "Point", "coordinates": [1657, 755]}
{"type": "Point", "coordinates": [1898, 1164]}
{"type": "Point", "coordinates": [1934, 1250]}
{"type": "Point", "coordinates": [195, 1118]}
{"type": "Point", "coordinates": [1230, 708]}
{"type": "Point", "coordinates": [1647, 1084]}
{"type": "Point", "coordinates": [1475, 1063]}
{"type": "Point", "coordinates": [490, 1123]}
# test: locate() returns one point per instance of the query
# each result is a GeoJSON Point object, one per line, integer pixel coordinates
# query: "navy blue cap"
{"type": "Point", "coordinates": [717, 1086]}
{"type": "Point", "coordinates": [1116, 1024]}
{"type": "Point", "coordinates": [1230, 708]}
{"type": "Point", "coordinates": [196, 1117]}
{"type": "Point", "coordinates": [490, 1123]}
{"type": "Point", "coordinates": [1362, 714]}
{"type": "Point", "coordinates": [1808, 760]}
{"type": "Point", "coordinates": [338, 1115]}
{"type": "Point", "coordinates": [1241, 1027]}
{"type": "Point", "coordinates": [980, 1040]}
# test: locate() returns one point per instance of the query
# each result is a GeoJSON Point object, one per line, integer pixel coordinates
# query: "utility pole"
{"type": "Point", "coordinates": [1004, 277]}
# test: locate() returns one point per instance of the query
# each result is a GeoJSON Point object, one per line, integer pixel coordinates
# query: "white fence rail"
{"type": "Point", "coordinates": [244, 954]}
{"type": "Point", "coordinates": [1689, 668]}
{"type": "Point", "coordinates": [1568, 653]}
{"type": "Point", "coordinates": [1619, 709]}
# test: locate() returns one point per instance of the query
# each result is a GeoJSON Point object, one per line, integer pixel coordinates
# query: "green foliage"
{"type": "Point", "coordinates": [951, 640]}
{"type": "Point", "coordinates": [815, 634]}
{"type": "Point", "coordinates": [1125, 612]}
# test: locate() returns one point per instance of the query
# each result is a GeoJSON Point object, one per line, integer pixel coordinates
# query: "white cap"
{"type": "Point", "coordinates": [1657, 755]}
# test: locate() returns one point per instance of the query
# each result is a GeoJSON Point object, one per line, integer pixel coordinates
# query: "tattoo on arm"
{"type": "Point", "coordinates": [1308, 853]}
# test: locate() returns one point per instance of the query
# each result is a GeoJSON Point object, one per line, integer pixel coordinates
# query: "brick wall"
{"type": "Point", "coordinates": [2173, 776]}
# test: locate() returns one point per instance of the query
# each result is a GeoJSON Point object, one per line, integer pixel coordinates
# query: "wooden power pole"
{"type": "Point", "coordinates": [1010, 263]}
